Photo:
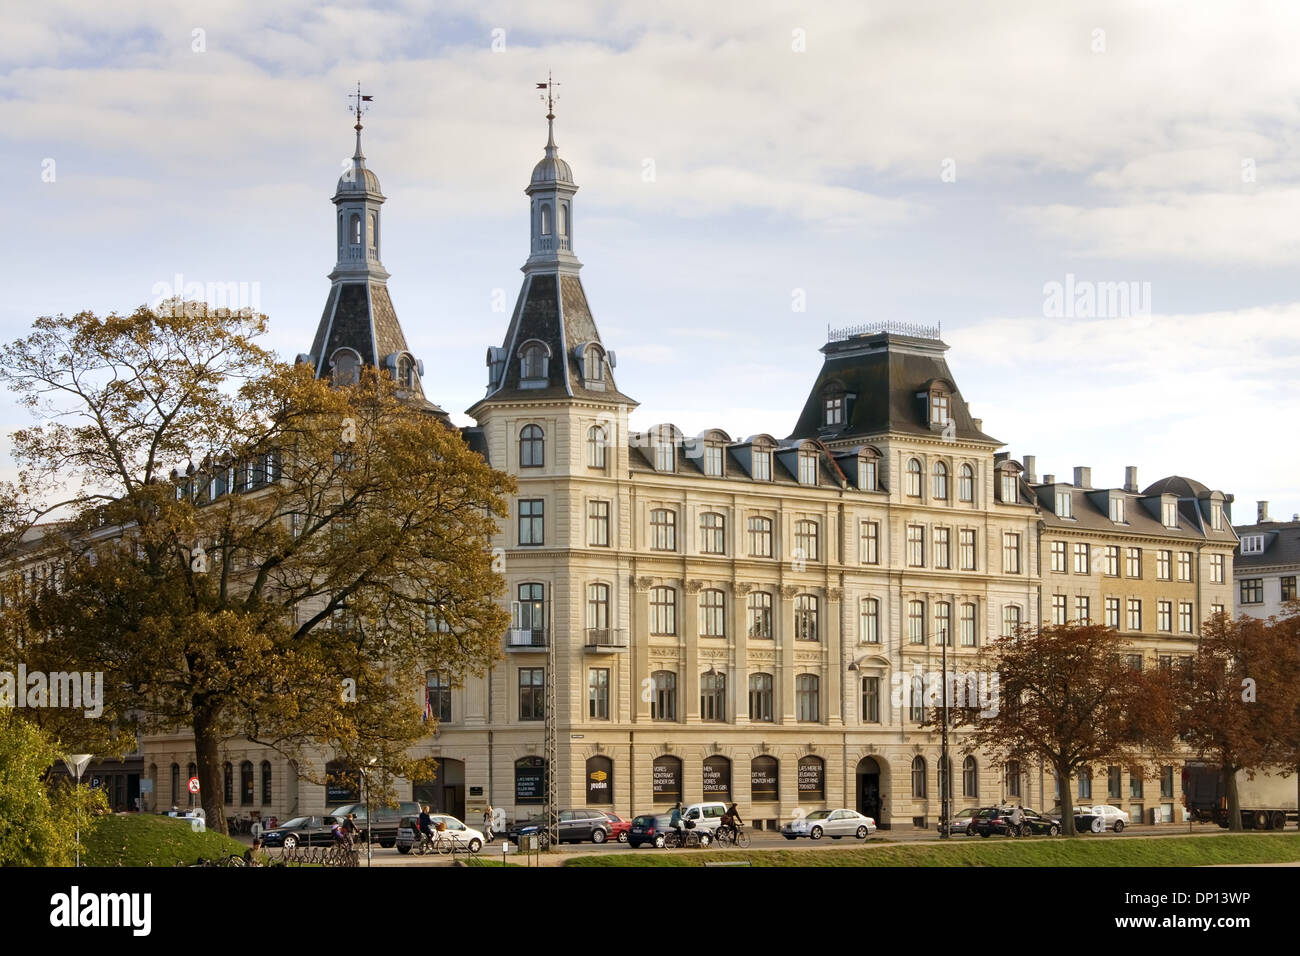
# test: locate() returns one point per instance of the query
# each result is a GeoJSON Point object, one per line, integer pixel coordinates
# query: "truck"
{"type": "Point", "coordinates": [1268, 802]}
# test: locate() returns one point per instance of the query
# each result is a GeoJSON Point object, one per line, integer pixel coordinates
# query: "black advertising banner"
{"type": "Point", "coordinates": [600, 780]}
{"type": "Point", "coordinates": [530, 780]}
{"type": "Point", "coordinates": [763, 785]}
{"type": "Point", "coordinates": [667, 779]}
{"type": "Point", "coordinates": [717, 778]}
{"type": "Point", "coordinates": [812, 778]}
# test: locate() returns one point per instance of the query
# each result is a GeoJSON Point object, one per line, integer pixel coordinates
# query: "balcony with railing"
{"type": "Point", "coordinates": [525, 638]}
{"type": "Point", "coordinates": [606, 640]}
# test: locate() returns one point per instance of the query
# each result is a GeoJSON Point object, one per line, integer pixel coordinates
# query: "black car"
{"type": "Point", "coordinates": [383, 828]}
{"type": "Point", "coordinates": [987, 821]}
{"type": "Point", "coordinates": [578, 826]}
{"type": "Point", "coordinates": [1039, 823]}
{"type": "Point", "coordinates": [649, 828]}
{"type": "Point", "coordinates": [522, 828]}
{"type": "Point", "coordinates": [300, 831]}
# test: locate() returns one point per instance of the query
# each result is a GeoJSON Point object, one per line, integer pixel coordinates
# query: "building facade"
{"type": "Point", "coordinates": [1267, 564]}
{"type": "Point", "coordinates": [744, 618]}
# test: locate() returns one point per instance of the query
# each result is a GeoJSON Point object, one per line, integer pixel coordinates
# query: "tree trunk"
{"type": "Point", "coordinates": [207, 754]}
{"type": "Point", "coordinates": [1067, 806]}
{"type": "Point", "coordinates": [1234, 800]}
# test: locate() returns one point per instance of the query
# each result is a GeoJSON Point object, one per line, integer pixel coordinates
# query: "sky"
{"type": "Point", "coordinates": [751, 174]}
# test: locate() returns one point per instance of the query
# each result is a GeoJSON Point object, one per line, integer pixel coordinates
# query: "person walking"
{"type": "Point", "coordinates": [487, 823]}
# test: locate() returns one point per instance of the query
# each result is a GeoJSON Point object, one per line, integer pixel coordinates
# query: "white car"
{"type": "Point", "coordinates": [1103, 816]}
{"type": "Point", "coordinates": [832, 823]}
{"type": "Point", "coordinates": [456, 830]}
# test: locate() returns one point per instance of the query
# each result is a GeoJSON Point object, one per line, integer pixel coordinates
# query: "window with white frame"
{"type": "Point", "coordinates": [759, 610]}
{"type": "Point", "coordinates": [916, 622]}
{"type": "Point", "coordinates": [1184, 565]}
{"type": "Point", "coordinates": [1058, 609]}
{"type": "Point", "coordinates": [1082, 608]}
{"type": "Point", "coordinates": [942, 548]}
{"type": "Point", "coordinates": [1216, 516]}
{"type": "Point", "coordinates": [943, 623]}
{"type": "Point", "coordinates": [1082, 558]}
{"type": "Point", "coordinates": [598, 524]}
{"type": "Point", "coordinates": [1111, 564]}
{"type": "Point", "coordinates": [1133, 562]}
{"type": "Point", "coordinates": [713, 461]}
{"type": "Point", "coordinates": [1010, 552]}
{"type": "Point", "coordinates": [940, 481]}
{"type": "Point", "coordinates": [869, 542]}
{"type": "Point", "coordinates": [833, 409]}
{"type": "Point", "coordinates": [1252, 544]}
{"type": "Point", "coordinates": [1164, 565]}
{"type": "Point", "coordinates": [805, 617]}
{"type": "Point", "coordinates": [1216, 569]}
{"type": "Point", "coordinates": [713, 613]}
{"type": "Point", "coordinates": [914, 478]}
{"type": "Point", "coordinates": [1058, 557]}
{"type": "Point", "coordinates": [869, 621]}
{"type": "Point", "coordinates": [1165, 616]}
{"type": "Point", "coordinates": [868, 476]}
{"type": "Point", "coordinates": [1117, 510]}
{"type": "Point", "coordinates": [968, 625]}
{"type": "Point", "coordinates": [967, 549]}
{"type": "Point", "coordinates": [1169, 512]}
{"type": "Point", "coordinates": [1185, 617]}
{"type": "Point", "coordinates": [1134, 614]}
{"type": "Point", "coordinates": [807, 468]}
{"type": "Point", "coordinates": [915, 546]}
{"type": "Point", "coordinates": [966, 483]}
{"type": "Point", "coordinates": [938, 408]}
{"type": "Point", "coordinates": [1063, 509]}
{"type": "Point", "coordinates": [665, 453]}
{"type": "Point", "coordinates": [760, 537]}
{"type": "Point", "coordinates": [1010, 488]}
{"type": "Point", "coordinates": [762, 465]}
{"type": "Point", "coordinates": [597, 443]}
{"type": "Point", "coordinates": [1112, 612]}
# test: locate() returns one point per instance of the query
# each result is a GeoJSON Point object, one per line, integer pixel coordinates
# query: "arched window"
{"type": "Point", "coordinates": [663, 611]}
{"type": "Point", "coordinates": [593, 364]}
{"type": "Point", "coordinates": [663, 705]}
{"type": "Point", "coordinates": [914, 478]}
{"type": "Point", "coordinates": [374, 230]}
{"type": "Point", "coordinates": [805, 540]}
{"type": "Point", "coordinates": [355, 224]}
{"type": "Point", "coordinates": [918, 776]}
{"type": "Point", "coordinates": [564, 218]}
{"type": "Point", "coordinates": [764, 779]}
{"type": "Point", "coordinates": [596, 444]}
{"type": "Point", "coordinates": [712, 533]}
{"type": "Point", "coordinates": [345, 367]}
{"type": "Point", "coordinates": [406, 372]}
{"type": "Point", "coordinates": [760, 697]}
{"type": "Point", "coordinates": [869, 622]}
{"type": "Point", "coordinates": [805, 617]}
{"type": "Point", "coordinates": [713, 696]}
{"type": "Point", "coordinates": [534, 361]}
{"type": "Point", "coordinates": [546, 219]}
{"type": "Point", "coordinates": [760, 537]}
{"type": "Point", "coordinates": [246, 783]}
{"type": "Point", "coordinates": [940, 481]}
{"type": "Point", "coordinates": [712, 613]}
{"type": "Point", "coordinates": [966, 483]}
{"type": "Point", "coordinates": [969, 778]}
{"type": "Point", "coordinates": [532, 447]}
{"type": "Point", "coordinates": [807, 697]}
{"type": "Point", "coordinates": [266, 783]}
{"type": "Point", "coordinates": [228, 782]}
{"type": "Point", "coordinates": [666, 779]}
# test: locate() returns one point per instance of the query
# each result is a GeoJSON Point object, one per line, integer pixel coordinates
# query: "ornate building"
{"type": "Point", "coordinates": [744, 618]}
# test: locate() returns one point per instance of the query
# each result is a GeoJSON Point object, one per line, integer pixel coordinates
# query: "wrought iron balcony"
{"type": "Point", "coordinates": [606, 639]}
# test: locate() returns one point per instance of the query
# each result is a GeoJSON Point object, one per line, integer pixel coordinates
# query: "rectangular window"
{"type": "Point", "coordinates": [1133, 562]}
{"type": "Point", "coordinates": [1134, 786]}
{"type": "Point", "coordinates": [1134, 662]}
{"type": "Point", "coordinates": [663, 611]}
{"type": "Point", "coordinates": [1082, 609]}
{"type": "Point", "coordinates": [1082, 559]}
{"type": "Point", "coordinates": [1063, 504]}
{"type": "Point", "coordinates": [1185, 617]}
{"type": "Point", "coordinates": [1010, 553]}
{"type": "Point", "coordinates": [713, 613]}
{"type": "Point", "coordinates": [759, 606]}
{"type": "Point", "coordinates": [1114, 783]}
{"type": "Point", "coordinates": [1085, 783]}
{"type": "Point", "coordinates": [1252, 544]}
{"type": "Point", "coordinates": [871, 700]}
{"type": "Point", "coordinates": [1134, 614]}
{"type": "Point", "coordinates": [532, 693]}
{"type": "Point", "coordinates": [943, 623]}
{"type": "Point", "coordinates": [713, 533]}
{"type": "Point", "coordinates": [663, 530]}
{"type": "Point", "coordinates": [1165, 616]}
{"type": "Point", "coordinates": [1216, 569]}
{"type": "Point", "coordinates": [1010, 620]}
{"type": "Point", "coordinates": [916, 622]}
{"type": "Point", "coordinates": [1184, 565]}
{"type": "Point", "coordinates": [867, 474]}
{"type": "Point", "coordinates": [807, 468]}
{"type": "Point", "coordinates": [760, 537]}
{"type": "Point", "coordinates": [598, 607]}
{"type": "Point", "coordinates": [1164, 565]}
{"type": "Point", "coordinates": [530, 521]}
{"type": "Point", "coordinates": [1169, 512]}
{"type": "Point", "coordinates": [1166, 781]}
{"type": "Point", "coordinates": [942, 548]}
{"type": "Point", "coordinates": [1252, 590]}
{"type": "Point", "coordinates": [598, 524]}
{"type": "Point", "coordinates": [1009, 489]}
{"type": "Point", "coordinates": [869, 542]}
{"type": "Point", "coordinates": [805, 539]}
{"type": "Point", "coordinates": [967, 556]}
{"type": "Point", "coordinates": [915, 546]}
{"type": "Point", "coordinates": [1216, 610]}
{"type": "Point", "coordinates": [1058, 557]}
{"type": "Point", "coordinates": [762, 465]}
{"type": "Point", "coordinates": [1288, 588]}
{"type": "Point", "coordinates": [713, 460]}
{"type": "Point", "coordinates": [1117, 510]}
{"type": "Point", "coordinates": [1112, 612]}
{"type": "Point", "coordinates": [968, 625]}
{"type": "Point", "coordinates": [869, 621]}
{"type": "Point", "coordinates": [1058, 609]}
{"type": "Point", "coordinates": [1112, 561]}
{"type": "Point", "coordinates": [598, 693]}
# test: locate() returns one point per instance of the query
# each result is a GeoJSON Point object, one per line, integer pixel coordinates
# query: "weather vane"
{"type": "Point", "coordinates": [550, 96]}
{"type": "Point", "coordinates": [356, 107]}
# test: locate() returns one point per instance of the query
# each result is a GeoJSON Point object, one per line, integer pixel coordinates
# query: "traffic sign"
{"type": "Point", "coordinates": [194, 784]}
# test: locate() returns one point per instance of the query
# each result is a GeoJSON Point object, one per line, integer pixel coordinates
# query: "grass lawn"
{"type": "Point", "coordinates": [140, 839]}
{"type": "Point", "coordinates": [1038, 851]}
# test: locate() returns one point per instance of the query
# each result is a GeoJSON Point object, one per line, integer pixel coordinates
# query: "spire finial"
{"type": "Point", "coordinates": [355, 107]}
{"type": "Point", "coordinates": [550, 96]}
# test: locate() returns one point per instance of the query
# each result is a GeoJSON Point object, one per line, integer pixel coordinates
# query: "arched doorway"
{"type": "Point", "coordinates": [870, 799]}
{"type": "Point", "coordinates": [446, 792]}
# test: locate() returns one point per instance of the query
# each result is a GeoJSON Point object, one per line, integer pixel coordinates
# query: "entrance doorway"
{"type": "Point", "coordinates": [445, 793]}
{"type": "Point", "coordinates": [870, 801]}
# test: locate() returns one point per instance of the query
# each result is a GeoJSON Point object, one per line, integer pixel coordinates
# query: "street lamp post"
{"type": "Point", "coordinates": [945, 767]}
{"type": "Point", "coordinates": [76, 764]}
{"type": "Point", "coordinates": [370, 765]}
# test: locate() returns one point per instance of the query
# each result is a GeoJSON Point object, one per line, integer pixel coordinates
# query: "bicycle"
{"type": "Point", "coordinates": [449, 843]}
{"type": "Point", "coordinates": [727, 837]}
{"type": "Point", "coordinates": [694, 836]}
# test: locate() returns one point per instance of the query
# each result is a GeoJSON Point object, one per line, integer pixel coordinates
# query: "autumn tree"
{"type": "Point", "coordinates": [1068, 696]}
{"type": "Point", "coordinates": [290, 584]}
{"type": "Point", "coordinates": [1239, 704]}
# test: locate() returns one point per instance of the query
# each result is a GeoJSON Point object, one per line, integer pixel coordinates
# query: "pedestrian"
{"type": "Point", "coordinates": [487, 823]}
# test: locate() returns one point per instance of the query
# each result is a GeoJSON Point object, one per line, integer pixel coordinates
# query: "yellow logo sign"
{"type": "Point", "coordinates": [598, 775]}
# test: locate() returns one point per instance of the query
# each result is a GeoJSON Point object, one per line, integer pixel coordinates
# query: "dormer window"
{"type": "Point", "coordinates": [762, 465]}
{"type": "Point", "coordinates": [345, 367]}
{"type": "Point", "coordinates": [868, 473]}
{"type": "Point", "coordinates": [1117, 510]}
{"type": "Point", "coordinates": [1252, 544]}
{"type": "Point", "coordinates": [939, 407]}
{"type": "Point", "coordinates": [593, 367]}
{"type": "Point", "coordinates": [1216, 516]}
{"type": "Point", "coordinates": [807, 468]}
{"type": "Point", "coordinates": [665, 452]}
{"type": "Point", "coordinates": [1063, 501]}
{"type": "Point", "coordinates": [1169, 514]}
{"type": "Point", "coordinates": [834, 409]}
{"type": "Point", "coordinates": [534, 362]}
{"type": "Point", "coordinates": [406, 372]}
{"type": "Point", "coordinates": [713, 461]}
{"type": "Point", "coordinates": [1010, 488]}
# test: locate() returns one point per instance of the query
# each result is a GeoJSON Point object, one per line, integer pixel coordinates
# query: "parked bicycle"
{"type": "Point", "coordinates": [725, 837]}
{"type": "Point", "coordinates": [692, 836]}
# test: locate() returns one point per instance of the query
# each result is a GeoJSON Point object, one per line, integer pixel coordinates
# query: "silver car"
{"type": "Point", "coordinates": [832, 823]}
{"type": "Point", "coordinates": [961, 821]}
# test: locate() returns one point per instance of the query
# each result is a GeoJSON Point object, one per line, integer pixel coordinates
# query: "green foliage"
{"type": "Point", "coordinates": [38, 820]}
{"type": "Point", "coordinates": [133, 839]}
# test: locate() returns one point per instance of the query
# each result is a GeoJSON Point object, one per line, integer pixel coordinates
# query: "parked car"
{"type": "Point", "coordinates": [618, 827]}
{"type": "Point", "coordinates": [705, 815]}
{"type": "Point", "coordinates": [1039, 822]}
{"type": "Point", "coordinates": [383, 828]}
{"type": "Point", "coordinates": [578, 826]}
{"type": "Point", "coordinates": [986, 821]}
{"type": "Point", "coordinates": [1104, 816]}
{"type": "Point", "coordinates": [406, 832]}
{"type": "Point", "coordinates": [651, 828]}
{"type": "Point", "coordinates": [832, 823]}
{"type": "Point", "coordinates": [519, 829]}
{"type": "Point", "coordinates": [300, 831]}
{"type": "Point", "coordinates": [961, 821]}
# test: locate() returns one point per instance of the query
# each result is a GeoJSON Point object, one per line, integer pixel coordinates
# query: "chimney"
{"type": "Point", "coordinates": [1049, 479]}
{"type": "Point", "coordinates": [1030, 464]}
{"type": "Point", "coordinates": [1082, 477]}
{"type": "Point", "coordinates": [1131, 479]}
{"type": "Point", "coordinates": [978, 423]}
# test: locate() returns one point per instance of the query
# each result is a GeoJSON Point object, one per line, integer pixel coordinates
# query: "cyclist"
{"type": "Point", "coordinates": [424, 827]}
{"type": "Point", "coordinates": [340, 834]}
{"type": "Point", "coordinates": [731, 822]}
{"type": "Point", "coordinates": [676, 823]}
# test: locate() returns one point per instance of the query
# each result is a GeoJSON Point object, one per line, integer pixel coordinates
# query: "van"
{"type": "Point", "coordinates": [705, 815]}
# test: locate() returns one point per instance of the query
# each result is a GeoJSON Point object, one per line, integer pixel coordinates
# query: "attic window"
{"type": "Point", "coordinates": [939, 406]}
{"type": "Point", "coordinates": [1117, 512]}
{"type": "Point", "coordinates": [534, 361]}
{"type": "Point", "coordinates": [1252, 544]}
{"type": "Point", "coordinates": [868, 473]}
{"type": "Point", "coordinates": [1063, 502]}
{"type": "Point", "coordinates": [713, 461]}
{"type": "Point", "coordinates": [833, 409]}
{"type": "Point", "coordinates": [1216, 516]}
{"type": "Point", "coordinates": [345, 367]}
{"type": "Point", "coordinates": [807, 468]}
{"type": "Point", "coordinates": [593, 367]}
{"type": "Point", "coordinates": [1169, 514]}
{"type": "Point", "coordinates": [406, 372]}
{"type": "Point", "coordinates": [762, 465]}
{"type": "Point", "coordinates": [665, 452]}
{"type": "Point", "coordinates": [1010, 488]}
